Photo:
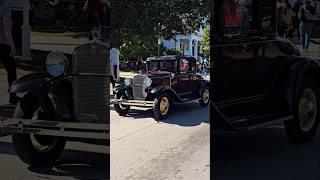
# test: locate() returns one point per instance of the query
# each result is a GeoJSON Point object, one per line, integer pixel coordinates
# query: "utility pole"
{"type": "Point", "coordinates": [159, 39]}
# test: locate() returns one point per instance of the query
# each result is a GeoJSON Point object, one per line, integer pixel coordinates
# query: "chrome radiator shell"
{"type": "Point", "coordinates": [91, 83]}
{"type": "Point", "coordinates": [138, 88]}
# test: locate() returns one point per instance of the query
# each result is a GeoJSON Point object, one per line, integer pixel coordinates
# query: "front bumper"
{"type": "Point", "coordinates": [148, 104]}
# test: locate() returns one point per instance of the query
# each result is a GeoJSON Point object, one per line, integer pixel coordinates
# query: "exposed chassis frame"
{"type": "Point", "coordinates": [56, 128]}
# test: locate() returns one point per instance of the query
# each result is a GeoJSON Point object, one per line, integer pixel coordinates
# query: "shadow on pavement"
{"type": "Point", "coordinates": [79, 165]}
{"type": "Point", "coordinates": [7, 148]}
{"type": "Point", "coordinates": [263, 154]}
{"type": "Point", "coordinates": [188, 114]}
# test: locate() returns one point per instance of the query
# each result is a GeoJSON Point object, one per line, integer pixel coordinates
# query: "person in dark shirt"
{"type": "Point", "coordinates": [95, 17]}
{"type": "Point", "coordinates": [295, 19]}
{"type": "Point", "coordinates": [306, 16]}
{"type": "Point", "coordinates": [7, 47]}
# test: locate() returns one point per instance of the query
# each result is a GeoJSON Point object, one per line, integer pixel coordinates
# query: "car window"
{"type": "Point", "coordinates": [237, 16]}
{"type": "Point", "coordinates": [168, 65]}
{"type": "Point", "coordinates": [187, 66]}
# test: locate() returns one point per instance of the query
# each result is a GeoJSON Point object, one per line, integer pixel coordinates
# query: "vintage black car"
{"type": "Point", "coordinates": [168, 79]}
{"type": "Point", "coordinates": [68, 102]}
{"type": "Point", "coordinates": [259, 78]}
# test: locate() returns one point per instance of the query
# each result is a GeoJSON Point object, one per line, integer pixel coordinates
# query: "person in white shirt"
{"type": "Point", "coordinates": [114, 64]}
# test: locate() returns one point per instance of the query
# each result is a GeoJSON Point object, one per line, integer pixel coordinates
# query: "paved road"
{"type": "Point", "coordinates": [264, 154]}
{"type": "Point", "coordinates": [79, 161]}
{"type": "Point", "coordinates": [177, 148]}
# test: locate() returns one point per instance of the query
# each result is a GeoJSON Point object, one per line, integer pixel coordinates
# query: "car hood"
{"type": "Point", "coordinates": [159, 78]}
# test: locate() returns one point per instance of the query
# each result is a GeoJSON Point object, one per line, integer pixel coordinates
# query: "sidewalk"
{"type": "Point", "coordinates": [314, 49]}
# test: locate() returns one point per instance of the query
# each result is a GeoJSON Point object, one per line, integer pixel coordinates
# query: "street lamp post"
{"type": "Point", "coordinates": [159, 39]}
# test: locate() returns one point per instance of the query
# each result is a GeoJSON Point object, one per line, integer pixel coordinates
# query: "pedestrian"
{"type": "Point", "coordinates": [139, 64]}
{"type": "Point", "coordinates": [306, 16]}
{"type": "Point", "coordinates": [95, 17]}
{"type": "Point", "coordinates": [7, 47]}
{"type": "Point", "coordinates": [286, 15]}
{"type": "Point", "coordinates": [114, 64]}
{"type": "Point", "coordinates": [295, 19]}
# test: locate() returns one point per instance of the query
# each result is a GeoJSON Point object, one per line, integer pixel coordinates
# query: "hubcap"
{"type": "Point", "coordinates": [307, 109]}
{"type": "Point", "coordinates": [41, 143]}
{"type": "Point", "coordinates": [123, 107]}
{"type": "Point", "coordinates": [164, 105]}
{"type": "Point", "coordinates": [206, 96]}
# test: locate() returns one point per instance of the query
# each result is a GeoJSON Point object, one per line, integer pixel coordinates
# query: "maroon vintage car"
{"type": "Point", "coordinates": [260, 78]}
{"type": "Point", "coordinates": [168, 79]}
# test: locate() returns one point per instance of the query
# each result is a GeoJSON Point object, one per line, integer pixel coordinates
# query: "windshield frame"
{"type": "Point", "coordinates": [176, 70]}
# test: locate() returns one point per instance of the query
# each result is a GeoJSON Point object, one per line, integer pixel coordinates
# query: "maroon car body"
{"type": "Point", "coordinates": [259, 78]}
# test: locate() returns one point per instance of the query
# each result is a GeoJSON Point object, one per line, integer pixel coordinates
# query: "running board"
{"type": "Point", "coordinates": [55, 128]}
{"type": "Point", "coordinates": [258, 122]}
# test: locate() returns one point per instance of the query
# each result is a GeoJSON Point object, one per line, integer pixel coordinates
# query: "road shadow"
{"type": "Point", "coordinates": [77, 164]}
{"type": "Point", "coordinates": [263, 154]}
{"type": "Point", "coordinates": [6, 148]}
{"type": "Point", "coordinates": [187, 114]}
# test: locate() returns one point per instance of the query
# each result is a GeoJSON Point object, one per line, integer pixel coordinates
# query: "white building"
{"type": "Point", "coordinates": [186, 44]}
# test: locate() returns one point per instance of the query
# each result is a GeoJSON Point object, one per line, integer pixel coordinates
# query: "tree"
{"type": "Point", "coordinates": [139, 23]}
{"type": "Point", "coordinates": [205, 41]}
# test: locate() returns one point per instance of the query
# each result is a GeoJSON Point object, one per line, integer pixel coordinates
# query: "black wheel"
{"type": "Point", "coordinates": [122, 110]}
{"type": "Point", "coordinates": [304, 124]}
{"type": "Point", "coordinates": [162, 105]}
{"type": "Point", "coordinates": [35, 149]}
{"type": "Point", "coordinates": [205, 97]}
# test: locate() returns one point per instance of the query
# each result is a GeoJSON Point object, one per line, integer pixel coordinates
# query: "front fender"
{"type": "Point", "coordinates": [162, 89]}
{"type": "Point", "coordinates": [30, 82]}
{"type": "Point", "coordinates": [120, 89]}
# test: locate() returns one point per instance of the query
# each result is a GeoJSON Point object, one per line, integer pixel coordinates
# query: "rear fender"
{"type": "Point", "coordinates": [293, 74]}
{"type": "Point", "coordinates": [203, 84]}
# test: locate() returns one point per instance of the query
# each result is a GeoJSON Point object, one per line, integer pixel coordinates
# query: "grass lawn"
{"type": "Point", "coordinates": [127, 74]}
{"type": "Point", "coordinates": [59, 34]}
{"type": "Point", "coordinates": [65, 31]}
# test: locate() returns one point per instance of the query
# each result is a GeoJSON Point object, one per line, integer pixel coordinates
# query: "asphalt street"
{"type": "Point", "coordinates": [264, 154]}
{"type": "Point", "coordinates": [79, 161]}
{"type": "Point", "coordinates": [176, 148]}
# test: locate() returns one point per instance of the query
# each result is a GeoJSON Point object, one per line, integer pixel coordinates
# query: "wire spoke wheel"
{"type": "Point", "coordinates": [164, 106]}
{"type": "Point", "coordinates": [307, 109]}
{"type": "Point", "coordinates": [206, 96]}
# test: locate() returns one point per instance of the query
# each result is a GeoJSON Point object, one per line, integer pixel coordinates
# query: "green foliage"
{"type": "Point", "coordinates": [137, 24]}
{"type": "Point", "coordinates": [205, 41]}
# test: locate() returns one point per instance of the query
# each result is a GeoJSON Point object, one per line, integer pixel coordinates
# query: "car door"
{"type": "Point", "coordinates": [185, 78]}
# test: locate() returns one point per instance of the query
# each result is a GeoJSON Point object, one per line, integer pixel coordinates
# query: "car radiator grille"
{"type": "Point", "coordinates": [139, 88]}
{"type": "Point", "coordinates": [91, 83]}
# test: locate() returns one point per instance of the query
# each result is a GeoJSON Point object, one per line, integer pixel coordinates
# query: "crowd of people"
{"type": "Point", "coordinates": [295, 21]}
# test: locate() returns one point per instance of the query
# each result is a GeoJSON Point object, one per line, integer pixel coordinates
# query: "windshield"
{"type": "Point", "coordinates": [170, 66]}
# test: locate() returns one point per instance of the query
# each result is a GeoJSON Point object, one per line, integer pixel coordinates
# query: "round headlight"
{"type": "Point", "coordinates": [127, 81]}
{"type": "Point", "coordinates": [148, 82]}
{"type": "Point", "coordinates": [56, 63]}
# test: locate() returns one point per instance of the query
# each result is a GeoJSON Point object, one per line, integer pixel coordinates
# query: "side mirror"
{"type": "Point", "coordinates": [172, 75]}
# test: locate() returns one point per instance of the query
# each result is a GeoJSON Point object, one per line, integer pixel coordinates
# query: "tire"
{"type": "Point", "coordinates": [162, 106]}
{"type": "Point", "coordinates": [304, 125]}
{"type": "Point", "coordinates": [205, 98]}
{"type": "Point", "coordinates": [122, 110]}
{"type": "Point", "coordinates": [35, 149]}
